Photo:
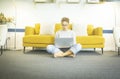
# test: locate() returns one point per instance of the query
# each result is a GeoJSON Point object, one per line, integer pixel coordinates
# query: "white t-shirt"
{"type": "Point", "coordinates": [66, 34]}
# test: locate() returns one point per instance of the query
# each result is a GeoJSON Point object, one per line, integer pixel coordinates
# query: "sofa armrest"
{"type": "Point", "coordinates": [98, 31]}
{"type": "Point", "coordinates": [29, 30]}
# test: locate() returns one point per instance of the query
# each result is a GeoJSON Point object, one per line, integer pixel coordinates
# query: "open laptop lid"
{"type": "Point", "coordinates": [64, 42]}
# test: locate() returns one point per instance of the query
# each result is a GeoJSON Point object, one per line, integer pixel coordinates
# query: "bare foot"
{"type": "Point", "coordinates": [72, 55]}
{"type": "Point", "coordinates": [58, 54]}
{"type": "Point", "coordinates": [67, 53]}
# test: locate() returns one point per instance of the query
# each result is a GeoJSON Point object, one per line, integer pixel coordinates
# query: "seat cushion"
{"type": "Point", "coordinates": [39, 39]}
{"type": "Point", "coordinates": [90, 40]}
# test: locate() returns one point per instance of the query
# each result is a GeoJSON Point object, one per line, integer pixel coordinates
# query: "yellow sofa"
{"type": "Point", "coordinates": [94, 39]}
{"type": "Point", "coordinates": [33, 38]}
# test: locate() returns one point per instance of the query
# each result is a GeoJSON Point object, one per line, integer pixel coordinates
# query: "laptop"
{"type": "Point", "coordinates": [64, 42]}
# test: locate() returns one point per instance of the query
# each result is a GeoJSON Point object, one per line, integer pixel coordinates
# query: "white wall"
{"type": "Point", "coordinates": [28, 13]}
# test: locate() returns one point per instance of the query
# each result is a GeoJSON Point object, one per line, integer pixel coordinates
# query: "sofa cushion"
{"type": "Point", "coordinates": [90, 29]}
{"type": "Point", "coordinates": [29, 30]}
{"type": "Point", "coordinates": [37, 29]}
{"type": "Point", "coordinates": [90, 40]}
{"type": "Point", "coordinates": [98, 31]}
{"type": "Point", "coordinates": [37, 39]}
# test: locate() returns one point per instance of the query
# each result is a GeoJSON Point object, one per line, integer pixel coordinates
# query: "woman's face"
{"type": "Point", "coordinates": [65, 25]}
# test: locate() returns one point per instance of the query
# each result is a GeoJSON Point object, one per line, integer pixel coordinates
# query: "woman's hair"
{"type": "Point", "coordinates": [65, 19]}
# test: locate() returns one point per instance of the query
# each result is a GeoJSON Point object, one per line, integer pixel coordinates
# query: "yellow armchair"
{"type": "Point", "coordinates": [94, 38]}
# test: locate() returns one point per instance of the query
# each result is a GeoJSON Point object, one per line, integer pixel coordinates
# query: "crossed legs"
{"type": "Point", "coordinates": [58, 53]}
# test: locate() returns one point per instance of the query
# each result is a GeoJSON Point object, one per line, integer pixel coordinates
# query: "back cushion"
{"type": "Point", "coordinates": [90, 29]}
{"type": "Point", "coordinates": [29, 30]}
{"type": "Point", "coordinates": [37, 29]}
{"type": "Point", "coordinates": [98, 31]}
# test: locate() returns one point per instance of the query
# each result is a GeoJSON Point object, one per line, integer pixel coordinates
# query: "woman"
{"type": "Point", "coordinates": [66, 33]}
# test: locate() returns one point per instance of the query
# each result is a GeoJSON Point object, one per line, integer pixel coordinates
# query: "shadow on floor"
{"type": "Point", "coordinates": [86, 53]}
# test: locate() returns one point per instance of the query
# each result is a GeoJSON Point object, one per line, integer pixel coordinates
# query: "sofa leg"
{"type": "Point", "coordinates": [1, 50]}
{"type": "Point", "coordinates": [24, 50]}
{"type": "Point", "coordinates": [94, 49]}
{"type": "Point", "coordinates": [102, 50]}
{"type": "Point", "coordinates": [118, 50]}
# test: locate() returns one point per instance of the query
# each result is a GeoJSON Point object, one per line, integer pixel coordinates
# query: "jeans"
{"type": "Point", "coordinates": [74, 48]}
